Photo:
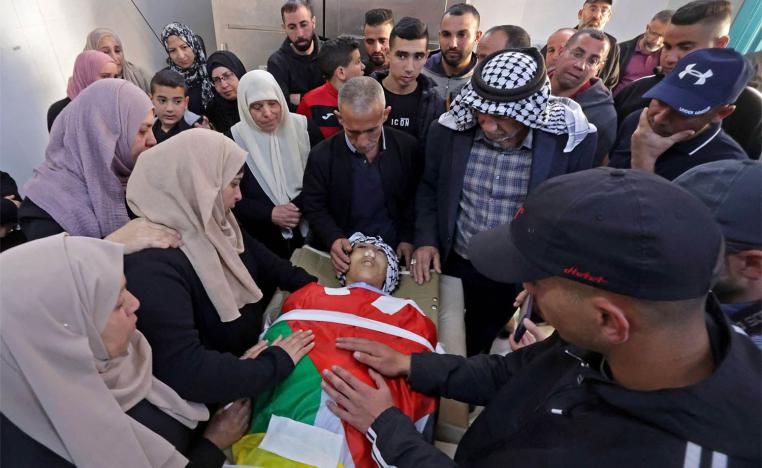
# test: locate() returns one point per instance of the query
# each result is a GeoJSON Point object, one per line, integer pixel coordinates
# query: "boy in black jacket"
{"type": "Point", "coordinates": [644, 369]}
{"type": "Point", "coordinates": [170, 101]}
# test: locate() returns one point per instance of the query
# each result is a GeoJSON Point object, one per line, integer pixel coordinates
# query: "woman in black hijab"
{"type": "Point", "coordinates": [224, 70]}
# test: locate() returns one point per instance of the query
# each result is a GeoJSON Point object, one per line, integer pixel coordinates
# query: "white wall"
{"type": "Point", "coordinates": [542, 17]}
{"type": "Point", "coordinates": [39, 40]}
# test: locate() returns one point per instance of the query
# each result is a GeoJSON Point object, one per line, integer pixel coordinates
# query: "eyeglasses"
{"type": "Point", "coordinates": [592, 60]}
{"type": "Point", "coordinates": [217, 80]}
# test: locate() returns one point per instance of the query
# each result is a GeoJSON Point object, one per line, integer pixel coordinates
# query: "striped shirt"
{"type": "Point", "coordinates": [495, 185]}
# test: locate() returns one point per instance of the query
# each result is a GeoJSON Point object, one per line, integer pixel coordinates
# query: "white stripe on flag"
{"type": "Point", "coordinates": [330, 316]}
{"type": "Point", "coordinates": [692, 455]}
{"type": "Point", "coordinates": [719, 460]}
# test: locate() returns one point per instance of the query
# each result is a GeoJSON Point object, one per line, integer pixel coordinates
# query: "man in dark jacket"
{"type": "Point", "coordinates": [639, 56]}
{"type": "Point", "coordinates": [294, 65]}
{"type": "Point", "coordinates": [502, 137]}
{"type": "Point", "coordinates": [644, 369]}
{"type": "Point", "coordinates": [362, 179]}
{"type": "Point", "coordinates": [698, 25]}
{"type": "Point", "coordinates": [411, 95]}
{"type": "Point", "coordinates": [452, 65]}
{"type": "Point", "coordinates": [595, 14]}
{"type": "Point", "coordinates": [574, 77]}
{"type": "Point", "coordinates": [681, 129]}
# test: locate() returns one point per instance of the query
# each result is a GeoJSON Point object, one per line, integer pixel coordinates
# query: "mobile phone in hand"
{"type": "Point", "coordinates": [525, 312]}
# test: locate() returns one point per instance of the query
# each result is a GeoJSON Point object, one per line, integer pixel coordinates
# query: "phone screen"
{"type": "Point", "coordinates": [525, 312]}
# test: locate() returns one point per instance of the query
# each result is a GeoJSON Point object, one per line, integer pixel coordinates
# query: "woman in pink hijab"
{"type": "Point", "coordinates": [90, 66]}
{"type": "Point", "coordinates": [80, 187]}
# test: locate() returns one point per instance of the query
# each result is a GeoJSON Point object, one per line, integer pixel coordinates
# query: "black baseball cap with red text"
{"type": "Point", "coordinates": [626, 231]}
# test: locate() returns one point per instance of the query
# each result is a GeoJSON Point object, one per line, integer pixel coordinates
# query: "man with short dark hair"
{"type": "Point", "coordinates": [643, 370]}
{"type": "Point", "coordinates": [411, 95]}
{"type": "Point", "coordinates": [339, 60]}
{"type": "Point", "coordinates": [362, 179]}
{"type": "Point", "coordinates": [505, 36]}
{"type": "Point", "coordinates": [554, 45]}
{"type": "Point", "coordinates": [732, 190]}
{"type": "Point", "coordinates": [453, 64]}
{"type": "Point", "coordinates": [595, 14]}
{"type": "Point", "coordinates": [639, 56]}
{"type": "Point", "coordinates": [502, 137]}
{"type": "Point", "coordinates": [375, 37]}
{"type": "Point", "coordinates": [681, 129]}
{"type": "Point", "coordinates": [575, 77]}
{"type": "Point", "coordinates": [697, 25]}
{"type": "Point", "coordinates": [294, 65]}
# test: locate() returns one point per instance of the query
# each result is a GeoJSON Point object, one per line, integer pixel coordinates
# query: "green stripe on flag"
{"type": "Point", "coordinates": [297, 397]}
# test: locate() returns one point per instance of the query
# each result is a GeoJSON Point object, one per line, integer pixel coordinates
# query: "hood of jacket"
{"type": "Point", "coordinates": [434, 65]}
{"type": "Point", "coordinates": [596, 95]}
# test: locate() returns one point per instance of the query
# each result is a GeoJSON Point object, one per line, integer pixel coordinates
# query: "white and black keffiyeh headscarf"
{"type": "Point", "coordinates": [393, 264]}
{"type": "Point", "coordinates": [197, 72]}
{"type": "Point", "coordinates": [513, 83]}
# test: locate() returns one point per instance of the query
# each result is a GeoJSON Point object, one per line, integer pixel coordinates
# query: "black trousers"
{"type": "Point", "coordinates": [489, 304]}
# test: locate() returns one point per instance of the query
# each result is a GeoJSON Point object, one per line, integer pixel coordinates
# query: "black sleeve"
{"type": "Point", "coordinates": [205, 454]}
{"type": "Point", "coordinates": [396, 442]}
{"type": "Point", "coordinates": [407, 221]}
{"type": "Point", "coordinates": [426, 195]}
{"type": "Point", "coordinates": [35, 222]}
{"type": "Point", "coordinates": [277, 271]}
{"type": "Point", "coordinates": [279, 71]}
{"type": "Point", "coordinates": [612, 78]}
{"type": "Point", "coordinates": [9, 212]}
{"type": "Point", "coordinates": [315, 197]}
{"type": "Point", "coordinates": [196, 373]}
{"type": "Point", "coordinates": [254, 207]}
{"type": "Point", "coordinates": [620, 156]}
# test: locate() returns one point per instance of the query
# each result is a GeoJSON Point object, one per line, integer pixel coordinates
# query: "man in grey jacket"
{"type": "Point", "coordinates": [575, 77]}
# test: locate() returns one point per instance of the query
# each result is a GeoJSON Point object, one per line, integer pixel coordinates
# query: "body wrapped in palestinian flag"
{"type": "Point", "coordinates": [291, 425]}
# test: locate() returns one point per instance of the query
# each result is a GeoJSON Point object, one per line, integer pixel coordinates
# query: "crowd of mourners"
{"type": "Point", "coordinates": [615, 185]}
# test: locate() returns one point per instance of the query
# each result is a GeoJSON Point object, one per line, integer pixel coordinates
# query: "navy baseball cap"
{"type": "Point", "coordinates": [732, 190]}
{"type": "Point", "coordinates": [625, 231]}
{"type": "Point", "coordinates": [702, 80]}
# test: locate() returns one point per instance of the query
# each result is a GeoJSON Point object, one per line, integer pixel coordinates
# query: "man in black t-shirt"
{"type": "Point", "coordinates": [410, 94]}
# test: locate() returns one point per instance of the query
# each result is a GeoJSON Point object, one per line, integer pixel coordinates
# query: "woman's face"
{"type": "Point", "coordinates": [109, 46]}
{"type": "Point", "coordinates": [266, 114]}
{"type": "Point", "coordinates": [231, 194]}
{"type": "Point", "coordinates": [180, 52]}
{"type": "Point", "coordinates": [225, 82]}
{"type": "Point", "coordinates": [110, 70]}
{"type": "Point", "coordinates": [121, 323]}
{"type": "Point", "coordinates": [144, 139]}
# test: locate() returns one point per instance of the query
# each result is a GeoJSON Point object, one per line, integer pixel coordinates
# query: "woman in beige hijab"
{"type": "Point", "coordinates": [278, 144]}
{"type": "Point", "coordinates": [202, 303]}
{"type": "Point", "coordinates": [109, 43]}
{"type": "Point", "coordinates": [77, 387]}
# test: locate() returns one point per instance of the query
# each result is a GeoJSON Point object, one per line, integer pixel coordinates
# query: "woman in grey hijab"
{"type": "Point", "coordinates": [109, 43]}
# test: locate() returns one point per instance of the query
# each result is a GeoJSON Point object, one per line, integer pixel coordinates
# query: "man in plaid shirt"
{"type": "Point", "coordinates": [503, 136]}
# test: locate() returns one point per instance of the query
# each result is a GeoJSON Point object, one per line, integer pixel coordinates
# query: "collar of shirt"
{"type": "Point", "coordinates": [695, 144]}
{"type": "Point", "coordinates": [361, 284]}
{"type": "Point", "coordinates": [354, 150]}
{"type": "Point", "coordinates": [525, 144]}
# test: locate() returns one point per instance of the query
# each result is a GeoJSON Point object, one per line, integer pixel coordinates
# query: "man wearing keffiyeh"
{"type": "Point", "coordinates": [503, 136]}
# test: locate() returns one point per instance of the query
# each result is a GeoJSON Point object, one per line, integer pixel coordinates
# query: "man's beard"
{"type": "Point", "coordinates": [451, 62]}
{"type": "Point", "coordinates": [377, 60]}
{"type": "Point", "coordinates": [302, 45]}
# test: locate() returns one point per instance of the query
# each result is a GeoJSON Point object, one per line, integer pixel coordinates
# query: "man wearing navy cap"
{"type": "Point", "coordinates": [681, 129]}
{"type": "Point", "coordinates": [643, 370]}
{"type": "Point", "coordinates": [732, 190]}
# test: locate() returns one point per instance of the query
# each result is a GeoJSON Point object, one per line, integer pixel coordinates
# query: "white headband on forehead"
{"type": "Point", "coordinates": [392, 267]}
{"type": "Point", "coordinates": [513, 84]}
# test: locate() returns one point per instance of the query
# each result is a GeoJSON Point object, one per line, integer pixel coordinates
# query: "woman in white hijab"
{"type": "Point", "coordinates": [77, 387]}
{"type": "Point", "coordinates": [278, 144]}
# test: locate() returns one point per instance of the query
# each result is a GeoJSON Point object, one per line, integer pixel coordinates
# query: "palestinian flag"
{"type": "Point", "coordinates": [291, 425]}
